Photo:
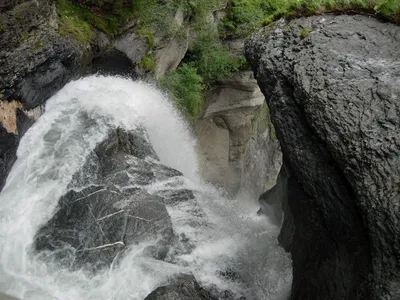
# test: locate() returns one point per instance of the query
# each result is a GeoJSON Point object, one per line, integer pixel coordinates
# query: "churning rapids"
{"type": "Point", "coordinates": [57, 145]}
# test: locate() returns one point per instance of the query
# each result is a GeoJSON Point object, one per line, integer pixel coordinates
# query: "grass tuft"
{"type": "Point", "coordinates": [71, 24]}
{"type": "Point", "coordinates": [304, 32]}
{"type": "Point", "coordinates": [147, 63]}
{"type": "Point", "coordinates": [186, 87]}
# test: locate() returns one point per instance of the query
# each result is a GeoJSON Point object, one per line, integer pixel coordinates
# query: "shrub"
{"type": "Point", "coordinates": [186, 87]}
{"type": "Point", "coordinates": [212, 58]}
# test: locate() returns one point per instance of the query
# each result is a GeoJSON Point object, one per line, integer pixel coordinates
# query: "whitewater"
{"type": "Point", "coordinates": [76, 119]}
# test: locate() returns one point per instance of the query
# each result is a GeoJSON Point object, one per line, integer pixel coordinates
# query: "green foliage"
{"type": "Point", "coordinates": [105, 15]}
{"type": "Point", "coordinates": [186, 87]}
{"type": "Point", "coordinates": [147, 63]}
{"type": "Point", "coordinates": [149, 36]}
{"type": "Point", "coordinates": [246, 16]}
{"type": "Point", "coordinates": [212, 59]}
{"type": "Point", "coordinates": [390, 9]}
{"type": "Point", "coordinates": [71, 24]}
{"type": "Point", "coordinates": [304, 32]}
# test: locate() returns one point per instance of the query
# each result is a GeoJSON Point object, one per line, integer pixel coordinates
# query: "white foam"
{"type": "Point", "coordinates": [227, 234]}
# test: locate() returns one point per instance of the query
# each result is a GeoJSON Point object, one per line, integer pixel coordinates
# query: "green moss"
{"type": "Point", "coordinates": [243, 151]}
{"type": "Point", "coordinates": [263, 121]}
{"type": "Point", "coordinates": [38, 44]}
{"type": "Point", "coordinates": [143, 32]}
{"type": "Point", "coordinates": [147, 63]}
{"type": "Point", "coordinates": [24, 37]}
{"type": "Point", "coordinates": [20, 18]}
{"type": "Point", "coordinates": [3, 28]}
{"type": "Point", "coordinates": [287, 27]}
{"type": "Point", "coordinates": [304, 32]}
{"type": "Point", "coordinates": [272, 132]}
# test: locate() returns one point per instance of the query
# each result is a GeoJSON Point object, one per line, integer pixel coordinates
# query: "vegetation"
{"type": "Point", "coordinates": [305, 32]}
{"type": "Point", "coordinates": [147, 63]}
{"type": "Point", "coordinates": [207, 60]}
{"type": "Point", "coordinates": [246, 16]}
{"type": "Point", "coordinates": [186, 87]}
{"type": "Point", "coordinates": [71, 23]}
{"type": "Point", "coordinates": [38, 44]}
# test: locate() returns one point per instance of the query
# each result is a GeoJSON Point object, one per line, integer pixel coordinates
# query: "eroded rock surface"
{"type": "Point", "coordinates": [333, 87]}
{"type": "Point", "coordinates": [236, 138]}
{"type": "Point", "coordinates": [107, 208]}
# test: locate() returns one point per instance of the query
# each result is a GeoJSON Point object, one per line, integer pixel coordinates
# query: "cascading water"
{"type": "Point", "coordinates": [56, 146]}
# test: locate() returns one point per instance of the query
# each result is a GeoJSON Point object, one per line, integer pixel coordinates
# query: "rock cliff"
{"type": "Point", "coordinates": [333, 87]}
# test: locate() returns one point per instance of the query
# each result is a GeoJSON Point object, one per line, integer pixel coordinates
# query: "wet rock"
{"type": "Point", "coordinates": [272, 200]}
{"type": "Point", "coordinates": [182, 287]}
{"type": "Point", "coordinates": [334, 100]}
{"type": "Point", "coordinates": [108, 208]}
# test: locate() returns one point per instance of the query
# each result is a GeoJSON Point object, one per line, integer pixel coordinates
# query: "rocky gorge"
{"type": "Point", "coordinates": [334, 100]}
{"type": "Point", "coordinates": [325, 93]}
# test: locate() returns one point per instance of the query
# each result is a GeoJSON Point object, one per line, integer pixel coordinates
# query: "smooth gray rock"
{"type": "Point", "coordinates": [334, 99]}
{"type": "Point", "coordinates": [107, 208]}
{"type": "Point", "coordinates": [236, 145]}
{"type": "Point", "coordinates": [170, 50]}
{"type": "Point", "coordinates": [132, 44]}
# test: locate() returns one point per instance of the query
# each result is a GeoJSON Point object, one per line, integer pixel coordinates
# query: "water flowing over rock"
{"type": "Point", "coordinates": [333, 86]}
{"type": "Point", "coordinates": [106, 208]}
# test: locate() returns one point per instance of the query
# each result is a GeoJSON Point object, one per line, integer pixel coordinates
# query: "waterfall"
{"type": "Point", "coordinates": [76, 119]}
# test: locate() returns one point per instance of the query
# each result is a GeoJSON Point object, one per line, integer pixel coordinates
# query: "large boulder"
{"type": "Point", "coordinates": [333, 87]}
{"type": "Point", "coordinates": [107, 208]}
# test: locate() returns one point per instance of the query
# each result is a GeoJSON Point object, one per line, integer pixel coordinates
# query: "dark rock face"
{"type": "Point", "coordinates": [107, 208]}
{"type": "Point", "coordinates": [35, 60]}
{"type": "Point", "coordinates": [183, 287]}
{"type": "Point", "coordinates": [271, 200]}
{"type": "Point", "coordinates": [9, 144]}
{"type": "Point", "coordinates": [334, 98]}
